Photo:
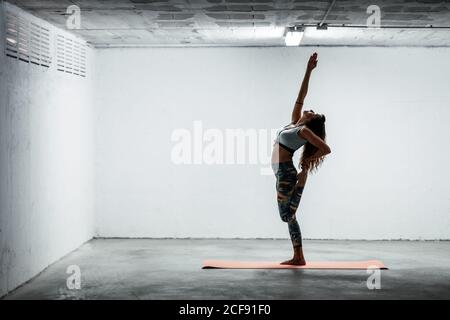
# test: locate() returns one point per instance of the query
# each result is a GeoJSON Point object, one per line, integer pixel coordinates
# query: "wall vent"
{"type": "Point", "coordinates": [71, 56]}
{"type": "Point", "coordinates": [26, 40]}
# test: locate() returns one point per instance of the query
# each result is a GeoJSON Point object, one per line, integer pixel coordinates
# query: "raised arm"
{"type": "Point", "coordinates": [297, 111]}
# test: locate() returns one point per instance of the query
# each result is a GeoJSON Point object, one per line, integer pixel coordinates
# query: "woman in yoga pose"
{"type": "Point", "coordinates": [306, 129]}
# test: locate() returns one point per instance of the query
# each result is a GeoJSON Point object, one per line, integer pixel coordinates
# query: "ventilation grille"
{"type": "Point", "coordinates": [71, 56]}
{"type": "Point", "coordinates": [26, 40]}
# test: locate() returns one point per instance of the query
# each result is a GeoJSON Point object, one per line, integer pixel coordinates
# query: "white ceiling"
{"type": "Point", "coordinates": [106, 23]}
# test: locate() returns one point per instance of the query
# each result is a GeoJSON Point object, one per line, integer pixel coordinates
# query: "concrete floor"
{"type": "Point", "coordinates": [171, 269]}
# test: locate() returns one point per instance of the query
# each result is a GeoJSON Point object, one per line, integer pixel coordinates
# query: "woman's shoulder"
{"type": "Point", "coordinates": [290, 125]}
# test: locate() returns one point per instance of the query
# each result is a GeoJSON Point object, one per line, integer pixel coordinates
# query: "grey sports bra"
{"type": "Point", "coordinates": [287, 137]}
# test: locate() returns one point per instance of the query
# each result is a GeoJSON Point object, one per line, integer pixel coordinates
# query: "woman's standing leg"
{"type": "Point", "coordinates": [294, 228]}
{"type": "Point", "coordinates": [288, 198]}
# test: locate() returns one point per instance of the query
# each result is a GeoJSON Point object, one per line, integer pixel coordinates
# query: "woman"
{"type": "Point", "coordinates": [306, 129]}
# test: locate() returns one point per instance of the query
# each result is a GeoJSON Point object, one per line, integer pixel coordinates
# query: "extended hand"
{"type": "Point", "coordinates": [305, 165]}
{"type": "Point", "coordinates": [312, 63]}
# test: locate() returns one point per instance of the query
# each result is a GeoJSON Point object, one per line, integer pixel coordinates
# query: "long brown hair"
{"type": "Point", "coordinates": [317, 125]}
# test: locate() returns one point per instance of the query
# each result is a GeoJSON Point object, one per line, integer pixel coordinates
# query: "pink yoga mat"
{"type": "Point", "coordinates": [221, 264]}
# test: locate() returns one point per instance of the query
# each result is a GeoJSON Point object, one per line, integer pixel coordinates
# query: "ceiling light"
{"type": "Point", "coordinates": [293, 36]}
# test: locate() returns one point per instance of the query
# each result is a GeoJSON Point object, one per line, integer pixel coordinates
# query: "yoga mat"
{"type": "Point", "coordinates": [349, 265]}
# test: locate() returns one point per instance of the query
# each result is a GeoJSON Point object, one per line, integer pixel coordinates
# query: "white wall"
{"type": "Point", "coordinates": [46, 167]}
{"type": "Point", "coordinates": [387, 121]}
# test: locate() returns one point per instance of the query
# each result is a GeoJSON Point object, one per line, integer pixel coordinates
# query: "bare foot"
{"type": "Point", "coordinates": [294, 261]}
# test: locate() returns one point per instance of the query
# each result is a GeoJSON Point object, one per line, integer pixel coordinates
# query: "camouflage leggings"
{"type": "Point", "coordinates": [288, 198]}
